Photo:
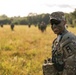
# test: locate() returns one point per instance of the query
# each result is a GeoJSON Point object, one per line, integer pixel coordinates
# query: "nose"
{"type": "Point", "coordinates": [54, 25]}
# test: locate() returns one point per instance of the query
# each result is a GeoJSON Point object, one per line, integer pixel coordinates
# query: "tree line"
{"type": "Point", "coordinates": [35, 19]}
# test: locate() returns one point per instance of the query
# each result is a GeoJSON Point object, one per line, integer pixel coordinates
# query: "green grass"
{"type": "Point", "coordinates": [23, 50]}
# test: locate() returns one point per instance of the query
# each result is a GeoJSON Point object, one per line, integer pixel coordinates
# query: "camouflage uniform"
{"type": "Point", "coordinates": [42, 26]}
{"type": "Point", "coordinates": [12, 26]}
{"type": "Point", "coordinates": [64, 51]}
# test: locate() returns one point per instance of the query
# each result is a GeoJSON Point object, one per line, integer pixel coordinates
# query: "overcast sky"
{"type": "Point", "coordinates": [24, 7]}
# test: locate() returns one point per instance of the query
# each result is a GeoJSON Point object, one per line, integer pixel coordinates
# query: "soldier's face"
{"type": "Point", "coordinates": [57, 26]}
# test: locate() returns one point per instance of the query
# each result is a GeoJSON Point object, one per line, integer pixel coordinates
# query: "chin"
{"type": "Point", "coordinates": [56, 32]}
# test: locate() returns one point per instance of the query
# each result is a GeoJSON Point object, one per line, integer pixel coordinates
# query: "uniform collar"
{"type": "Point", "coordinates": [59, 37]}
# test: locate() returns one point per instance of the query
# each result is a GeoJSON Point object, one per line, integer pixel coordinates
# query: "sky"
{"type": "Point", "coordinates": [22, 8]}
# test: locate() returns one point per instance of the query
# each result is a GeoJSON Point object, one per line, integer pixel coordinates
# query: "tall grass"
{"type": "Point", "coordinates": [23, 50]}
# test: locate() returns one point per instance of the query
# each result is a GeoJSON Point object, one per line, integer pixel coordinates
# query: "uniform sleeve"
{"type": "Point", "coordinates": [69, 47]}
{"type": "Point", "coordinates": [69, 54]}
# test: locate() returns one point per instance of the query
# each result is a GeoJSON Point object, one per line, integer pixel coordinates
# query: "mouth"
{"type": "Point", "coordinates": [56, 30]}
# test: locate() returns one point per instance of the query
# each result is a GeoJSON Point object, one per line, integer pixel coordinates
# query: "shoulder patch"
{"type": "Point", "coordinates": [68, 49]}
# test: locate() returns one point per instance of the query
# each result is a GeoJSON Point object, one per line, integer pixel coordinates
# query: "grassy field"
{"type": "Point", "coordinates": [23, 50]}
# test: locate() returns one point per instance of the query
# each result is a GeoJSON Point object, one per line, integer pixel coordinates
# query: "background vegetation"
{"type": "Point", "coordinates": [35, 19]}
{"type": "Point", "coordinates": [22, 51]}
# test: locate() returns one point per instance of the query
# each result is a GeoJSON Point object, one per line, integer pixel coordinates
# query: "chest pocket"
{"type": "Point", "coordinates": [57, 53]}
{"type": "Point", "coordinates": [56, 45]}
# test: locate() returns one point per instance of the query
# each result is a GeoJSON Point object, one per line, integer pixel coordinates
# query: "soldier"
{"type": "Point", "coordinates": [63, 61]}
{"type": "Point", "coordinates": [29, 25]}
{"type": "Point", "coordinates": [42, 26]}
{"type": "Point", "coordinates": [12, 26]}
{"type": "Point", "coordinates": [1, 25]}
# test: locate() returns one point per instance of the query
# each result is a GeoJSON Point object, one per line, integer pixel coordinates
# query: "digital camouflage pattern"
{"type": "Point", "coordinates": [64, 52]}
{"type": "Point", "coordinates": [48, 69]}
{"type": "Point", "coordinates": [57, 16]}
{"type": "Point", "coordinates": [69, 49]}
{"type": "Point", "coordinates": [42, 26]}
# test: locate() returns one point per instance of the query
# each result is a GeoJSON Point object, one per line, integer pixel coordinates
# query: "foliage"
{"type": "Point", "coordinates": [35, 19]}
{"type": "Point", "coordinates": [22, 51]}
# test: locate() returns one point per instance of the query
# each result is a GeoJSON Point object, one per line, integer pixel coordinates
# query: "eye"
{"type": "Point", "coordinates": [54, 21]}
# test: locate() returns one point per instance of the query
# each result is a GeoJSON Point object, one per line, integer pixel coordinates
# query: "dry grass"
{"type": "Point", "coordinates": [23, 50]}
